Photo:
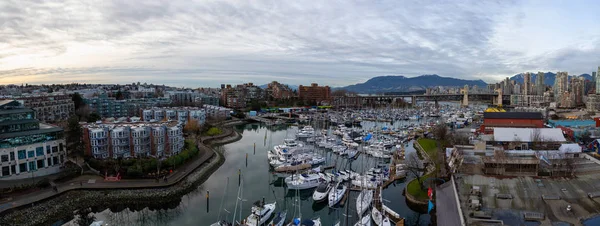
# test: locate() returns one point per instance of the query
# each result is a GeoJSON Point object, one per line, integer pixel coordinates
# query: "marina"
{"type": "Point", "coordinates": [286, 170]}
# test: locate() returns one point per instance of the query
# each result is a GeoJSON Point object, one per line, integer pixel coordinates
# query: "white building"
{"type": "Point", "coordinates": [114, 140]}
{"type": "Point", "coordinates": [179, 114]}
{"type": "Point", "coordinates": [28, 148]}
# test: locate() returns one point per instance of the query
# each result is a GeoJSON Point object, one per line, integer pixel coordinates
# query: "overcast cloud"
{"type": "Point", "coordinates": [206, 43]}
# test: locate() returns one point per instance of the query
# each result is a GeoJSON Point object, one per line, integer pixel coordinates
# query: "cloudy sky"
{"type": "Point", "coordinates": [206, 43]}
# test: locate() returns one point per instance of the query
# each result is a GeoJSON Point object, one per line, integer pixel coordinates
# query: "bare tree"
{"type": "Point", "coordinates": [416, 168]}
{"type": "Point", "coordinates": [440, 131]}
{"type": "Point", "coordinates": [459, 139]}
{"type": "Point", "coordinates": [536, 139]}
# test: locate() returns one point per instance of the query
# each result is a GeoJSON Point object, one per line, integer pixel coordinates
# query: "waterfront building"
{"type": "Point", "coordinates": [493, 120]}
{"type": "Point", "coordinates": [314, 92]}
{"type": "Point", "coordinates": [132, 139]}
{"type": "Point", "coordinates": [240, 95]}
{"type": "Point", "coordinates": [217, 112]}
{"type": "Point", "coordinates": [179, 114]}
{"type": "Point", "coordinates": [28, 148]}
{"type": "Point", "coordinates": [48, 107]}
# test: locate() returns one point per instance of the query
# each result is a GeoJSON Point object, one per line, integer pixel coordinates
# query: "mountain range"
{"type": "Point", "coordinates": [399, 83]}
{"type": "Point", "coordinates": [549, 77]}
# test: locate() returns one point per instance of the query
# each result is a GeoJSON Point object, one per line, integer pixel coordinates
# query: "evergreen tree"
{"type": "Point", "coordinates": [74, 136]}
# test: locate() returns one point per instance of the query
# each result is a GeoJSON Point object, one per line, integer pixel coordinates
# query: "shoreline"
{"type": "Point", "coordinates": [63, 205]}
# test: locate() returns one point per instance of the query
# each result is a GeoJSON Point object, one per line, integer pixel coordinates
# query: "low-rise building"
{"type": "Point", "coordinates": [217, 112]}
{"type": "Point", "coordinates": [179, 114]}
{"type": "Point", "coordinates": [28, 148]}
{"type": "Point", "coordinates": [132, 139]}
{"type": "Point", "coordinates": [493, 120]}
{"type": "Point", "coordinates": [49, 107]}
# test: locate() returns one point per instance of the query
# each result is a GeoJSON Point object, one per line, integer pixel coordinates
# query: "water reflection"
{"type": "Point", "coordinates": [258, 183]}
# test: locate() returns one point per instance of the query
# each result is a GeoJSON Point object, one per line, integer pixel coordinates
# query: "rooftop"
{"type": "Point", "coordinates": [513, 115]}
{"type": "Point", "coordinates": [528, 134]}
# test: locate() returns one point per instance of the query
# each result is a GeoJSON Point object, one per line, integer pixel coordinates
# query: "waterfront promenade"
{"type": "Point", "coordinates": [87, 182]}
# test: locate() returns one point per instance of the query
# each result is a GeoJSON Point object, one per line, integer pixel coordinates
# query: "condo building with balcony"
{"type": "Point", "coordinates": [28, 148]}
{"type": "Point", "coordinates": [133, 139]}
{"type": "Point", "coordinates": [179, 114]}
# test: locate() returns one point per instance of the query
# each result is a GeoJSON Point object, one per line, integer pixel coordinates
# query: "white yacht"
{"type": "Point", "coordinates": [322, 191]}
{"type": "Point", "coordinates": [336, 194]}
{"type": "Point", "coordinates": [303, 181]}
{"type": "Point", "coordinates": [379, 219]}
{"type": "Point", "coordinates": [260, 213]}
{"type": "Point", "coordinates": [364, 200]}
{"type": "Point", "coordinates": [364, 221]}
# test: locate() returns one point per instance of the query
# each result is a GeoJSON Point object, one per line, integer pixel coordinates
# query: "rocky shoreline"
{"type": "Point", "coordinates": [63, 206]}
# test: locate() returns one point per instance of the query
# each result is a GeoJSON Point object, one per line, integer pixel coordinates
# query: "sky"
{"type": "Point", "coordinates": [337, 43]}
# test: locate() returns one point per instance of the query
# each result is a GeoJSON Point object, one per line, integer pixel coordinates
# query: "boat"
{"type": "Point", "coordinates": [260, 213]}
{"type": "Point", "coordinates": [364, 221]}
{"type": "Point", "coordinates": [336, 195]}
{"type": "Point", "coordinates": [279, 219]}
{"type": "Point", "coordinates": [376, 216]}
{"type": "Point", "coordinates": [303, 181]}
{"type": "Point", "coordinates": [322, 191]}
{"type": "Point", "coordinates": [222, 223]}
{"type": "Point", "coordinates": [364, 200]}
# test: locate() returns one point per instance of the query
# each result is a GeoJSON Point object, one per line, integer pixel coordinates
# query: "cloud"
{"type": "Point", "coordinates": [209, 42]}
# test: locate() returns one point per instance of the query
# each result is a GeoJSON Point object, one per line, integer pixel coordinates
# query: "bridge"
{"type": "Point", "coordinates": [385, 100]}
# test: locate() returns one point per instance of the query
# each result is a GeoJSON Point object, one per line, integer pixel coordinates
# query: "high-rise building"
{"type": "Point", "coordinates": [507, 86]}
{"type": "Point", "coordinates": [561, 85]}
{"type": "Point", "coordinates": [539, 83]}
{"type": "Point", "coordinates": [598, 81]}
{"type": "Point", "coordinates": [577, 90]}
{"type": "Point", "coordinates": [527, 84]}
{"type": "Point", "coordinates": [27, 147]}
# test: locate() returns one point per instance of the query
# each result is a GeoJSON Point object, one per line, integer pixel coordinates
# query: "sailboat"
{"type": "Point", "coordinates": [364, 200]}
{"type": "Point", "coordinates": [364, 221]}
{"type": "Point", "coordinates": [223, 222]}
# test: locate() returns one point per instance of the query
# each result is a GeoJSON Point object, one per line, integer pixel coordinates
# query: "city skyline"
{"type": "Point", "coordinates": [333, 43]}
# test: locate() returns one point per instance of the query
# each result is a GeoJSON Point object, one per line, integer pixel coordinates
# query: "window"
{"type": "Point", "coordinates": [13, 169]}
{"type": "Point", "coordinates": [61, 148]}
{"type": "Point", "coordinates": [49, 161]}
{"type": "Point", "coordinates": [55, 160]}
{"type": "Point", "coordinates": [40, 163]}
{"type": "Point", "coordinates": [48, 149]}
{"type": "Point", "coordinates": [5, 171]}
{"type": "Point", "coordinates": [23, 167]}
{"type": "Point", "coordinates": [4, 158]}
{"type": "Point", "coordinates": [39, 151]}
{"type": "Point", "coordinates": [30, 154]}
{"type": "Point", "coordinates": [22, 154]}
{"type": "Point", "coordinates": [31, 166]}
{"type": "Point", "coordinates": [12, 156]}
{"type": "Point", "coordinates": [54, 149]}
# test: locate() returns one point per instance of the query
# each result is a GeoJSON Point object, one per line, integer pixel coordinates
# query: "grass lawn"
{"type": "Point", "coordinates": [414, 189]}
{"type": "Point", "coordinates": [429, 145]}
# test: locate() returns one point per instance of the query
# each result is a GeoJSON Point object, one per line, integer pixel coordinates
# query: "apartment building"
{"type": "Point", "coordinates": [28, 148]}
{"type": "Point", "coordinates": [179, 114]}
{"type": "Point", "coordinates": [132, 139]}
{"type": "Point", "coordinates": [48, 107]}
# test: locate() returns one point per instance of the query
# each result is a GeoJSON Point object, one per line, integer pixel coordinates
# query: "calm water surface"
{"type": "Point", "coordinates": [259, 183]}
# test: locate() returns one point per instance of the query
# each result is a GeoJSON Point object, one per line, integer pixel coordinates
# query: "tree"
{"type": "Point", "coordinates": [119, 95]}
{"type": "Point", "coordinates": [93, 117]}
{"type": "Point", "coordinates": [74, 137]}
{"type": "Point", "coordinates": [193, 128]}
{"type": "Point", "coordinates": [339, 93]}
{"type": "Point", "coordinates": [77, 101]}
{"type": "Point", "coordinates": [416, 168]}
{"type": "Point", "coordinates": [440, 131]}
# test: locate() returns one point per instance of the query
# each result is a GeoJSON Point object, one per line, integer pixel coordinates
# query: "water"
{"type": "Point", "coordinates": [258, 183]}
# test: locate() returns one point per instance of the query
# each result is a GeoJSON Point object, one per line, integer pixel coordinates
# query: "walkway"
{"type": "Point", "coordinates": [84, 182]}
